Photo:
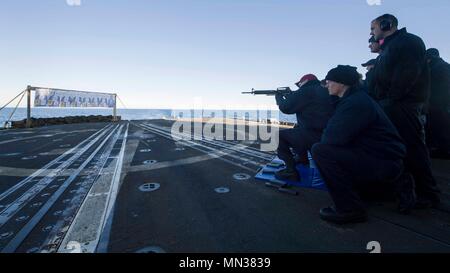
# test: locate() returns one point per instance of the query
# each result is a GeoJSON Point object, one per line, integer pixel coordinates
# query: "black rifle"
{"type": "Point", "coordinates": [281, 90]}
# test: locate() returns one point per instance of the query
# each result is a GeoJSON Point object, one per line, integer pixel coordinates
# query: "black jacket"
{"type": "Point", "coordinates": [311, 103]}
{"type": "Point", "coordinates": [367, 83]}
{"type": "Point", "coordinates": [401, 73]}
{"type": "Point", "coordinates": [440, 83]}
{"type": "Point", "coordinates": [359, 121]}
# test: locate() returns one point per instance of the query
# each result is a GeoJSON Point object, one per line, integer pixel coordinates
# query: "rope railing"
{"type": "Point", "coordinates": [21, 93]}
{"type": "Point", "coordinates": [120, 100]}
{"type": "Point", "coordinates": [14, 111]}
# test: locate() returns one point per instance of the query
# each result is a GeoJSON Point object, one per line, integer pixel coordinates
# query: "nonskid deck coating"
{"type": "Point", "coordinates": [187, 213]}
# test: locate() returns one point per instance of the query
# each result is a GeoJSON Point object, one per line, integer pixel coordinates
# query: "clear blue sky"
{"type": "Point", "coordinates": [163, 54]}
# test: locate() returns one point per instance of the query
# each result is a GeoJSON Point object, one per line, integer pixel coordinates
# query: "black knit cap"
{"type": "Point", "coordinates": [433, 53]}
{"type": "Point", "coordinates": [344, 74]}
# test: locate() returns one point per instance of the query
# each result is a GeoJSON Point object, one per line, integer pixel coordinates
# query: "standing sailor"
{"type": "Point", "coordinates": [400, 82]}
{"type": "Point", "coordinates": [438, 120]}
{"type": "Point", "coordinates": [375, 47]}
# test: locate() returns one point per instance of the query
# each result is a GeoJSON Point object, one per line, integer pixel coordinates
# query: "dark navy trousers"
{"type": "Point", "coordinates": [438, 129]}
{"type": "Point", "coordinates": [300, 140]}
{"type": "Point", "coordinates": [348, 170]}
{"type": "Point", "coordinates": [406, 118]}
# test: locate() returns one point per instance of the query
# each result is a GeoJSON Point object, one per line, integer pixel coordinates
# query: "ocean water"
{"type": "Point", "coordinates": [139, 114]}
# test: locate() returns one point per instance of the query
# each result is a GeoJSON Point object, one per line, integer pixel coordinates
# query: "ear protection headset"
{"type": "Point", "coordinates": [385, 25]}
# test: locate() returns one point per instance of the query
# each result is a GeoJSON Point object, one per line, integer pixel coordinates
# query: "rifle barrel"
{"type": "Point", "coordinates": [266, 92]}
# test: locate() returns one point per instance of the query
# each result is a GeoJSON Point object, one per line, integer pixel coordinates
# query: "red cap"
{"type": "Point", "coordinates": [308, 77]}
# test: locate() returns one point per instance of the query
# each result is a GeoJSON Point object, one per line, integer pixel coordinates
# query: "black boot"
{"type": "Point", "coordinates": [301, 159]}
{"type": "Point", "coordinates": [427, 203]}
{"type": "Point", "coordinates": [289, 174]}
{"type": "Point", "coordinates": [440, 154]}
{"type": "Point", "coordinates": [331, 215]}
{"type": "Point", "coordinates": [405, 190]}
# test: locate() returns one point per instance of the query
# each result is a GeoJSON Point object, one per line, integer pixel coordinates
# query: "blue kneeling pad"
{"type": "Point", "coordinates": [310, 176]}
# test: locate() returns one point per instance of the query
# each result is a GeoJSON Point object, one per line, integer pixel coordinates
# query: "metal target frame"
{"type": "Point", "coordinates": [35, 88]}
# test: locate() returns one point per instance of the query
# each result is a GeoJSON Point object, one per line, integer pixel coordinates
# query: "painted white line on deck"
{"type": "Point", "coordinates": [194, 144]}
{"type": "Point", "coordinates": [178, 162]}
{"type": "Point", "coordinates": [61, 226]}
{"type": "Point", "coordinates": [49, 165]}
{"type": "Point", "coordinates": [234, 147]}
{"type": "Point", "coordinates": [96, 210]}
{"type": "Point", "coordinates": [242, 148]}
{"type": "Point", "coordinates": [20, 202]}
{"type": "Point", "coordinates": [25, 231]}
{"type": "Point", "coordinates": [42, 136]}
{"type": "Point", "coordinates": [107, 219]}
